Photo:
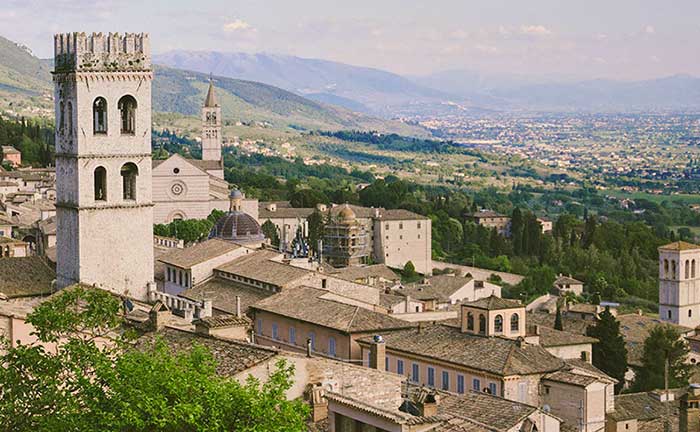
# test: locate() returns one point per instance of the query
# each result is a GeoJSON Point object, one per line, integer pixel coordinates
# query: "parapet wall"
{"type": "Point", "coordinates": [76, 52]}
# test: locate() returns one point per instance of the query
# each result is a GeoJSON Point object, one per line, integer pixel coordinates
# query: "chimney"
{"type": "Point", "coordinates": [520, 342]}
{"type": "Point", "coordinates": [408, 304]}
{"type": "Point", "coordinates": [377, 353]}
{"type": "Point", "coordinates": [159, 315]}
{"type": "Point", "coordinates": [427, 403]}
{"type": "Point", "coordinates": [317, 401]}
{"type": "Point", "coordinates": [689, 415]}
{"type": "Point", "coordinates": [238, 306]}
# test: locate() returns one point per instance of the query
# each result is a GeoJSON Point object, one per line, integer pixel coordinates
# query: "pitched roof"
{"type": "Point", "coordinates": [223, 292]}
{"type": "Point", "coordinates": [490, 354]}
{"type": "Point", "coordinates": [400, 214]}
{"type": "Point", "coordinates": [199, 253]}
{"type": "Point", "coordinates": [487, 214]}
{"type": "Point", "coordinates": [439, 287]}
{"type": "Point", "coordinates": [641, 406]}
{"type": "Point", "coordinates": [494, 303]}
{"type": "Point", "coordinates": [260, 267]}
{"type": "Point", "coordinates": [679, 246]}
{"type": "Point", "coordinates": [25, 277]}
{"type": "Point", "coordinates": [231, 356]}
{"type": "Point", "coordinates": [309, 305]}
{"type": "Point", "coordinates": [567, 280]}
{"type": "Point", "coordinates": [390, 300]}
{"type": "Point", "coordinates": [210, 101]}
{"type": "Point", "coordinates": [353, 273]}
{"type": "Point", "coordinates": [550, 337]}
{"type": "Point", "coordinates": [221, 321]}
{"type": "Point", "coordinates": [571, 378]}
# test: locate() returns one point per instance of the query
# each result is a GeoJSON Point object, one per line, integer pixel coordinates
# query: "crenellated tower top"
{"type": "Point", "coordinates": [97, 52]}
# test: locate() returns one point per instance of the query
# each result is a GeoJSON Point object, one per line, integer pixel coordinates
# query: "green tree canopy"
{"type": "Point", "coordinates": [85, 384]}
{"type": "Point", "coordinates": [610, 353]}
{"type": "Point", "coordinates": [664, 342]}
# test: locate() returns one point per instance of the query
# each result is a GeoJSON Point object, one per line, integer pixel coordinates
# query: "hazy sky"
{"type": "Point", "coordinates": [622, 39]}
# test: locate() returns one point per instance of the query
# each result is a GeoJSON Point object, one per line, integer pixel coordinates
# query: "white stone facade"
{"type": "Point", "coordinates": [679, 284]}
{"type": "Point", "coordinates": [397, 242]}
{"type": "Point", "coordinates": [104, 239]}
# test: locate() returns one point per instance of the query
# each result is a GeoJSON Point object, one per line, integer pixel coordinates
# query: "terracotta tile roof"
{"type": "Point", "coordinates": [308, 305]}
{"type": "Point", "coordinates": [221, 321]}
{"type": "Point", "coordinates": [550, 337]}
{"type": "Point", "coordinates": [199, 253]}
{"type": "Point", "coordinates": [588, 368]}
{"type": "Point", "coordinates": [487, 214]}
{"type": "Point", "coordinates": [353, 273]}
{"type": "Point", "coordinates": [584, 308]}
{"type": "Point", "coordinates": [572, 324]}
{"type": "Point", "coordinates": [679, 246]}
{"type": "Point", "coordinates": [260, 267]}
{"type": "Point", "coordinates": [490, 354]}
{"type": "Point", "coordinates": [490, 411]}
{"type": "Point", "coordinates": [7, 240]}
{"type": "Point", "coordinates": [390, 300]}
{"type": "Point", "coordinates": [223, 292]}
{"type": "Point", "coordinates": [567, 280]}
{"type": "Point", "coordinates": [439, 288]}
{"type": "Point", "coordinates": [642, 406]}
{"type": "Point", "coordinates": [400, 214]}
{"type": "Point", "coordinates": [635, 329]}
{"type": "Point", "coordinates": [25, 277]}
{"type": "Point", "coordinates": [571, 378]}
{"type": "Point", "coordinates": [494, 303]}
{"type": "Point", "coordinates": [232, 357]}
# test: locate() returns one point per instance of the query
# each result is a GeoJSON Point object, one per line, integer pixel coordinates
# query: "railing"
{"type": "Point", "coordinates": [190, 308]}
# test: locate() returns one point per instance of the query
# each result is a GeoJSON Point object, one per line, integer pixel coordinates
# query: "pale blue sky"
{"type": "Point", "coordinates": [621, 39]}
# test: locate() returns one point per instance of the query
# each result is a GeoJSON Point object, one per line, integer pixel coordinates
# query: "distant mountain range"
{"type": "Point", "coordinates": [457, 91]}
{"type": "Point", "coordinates": [25, 81]}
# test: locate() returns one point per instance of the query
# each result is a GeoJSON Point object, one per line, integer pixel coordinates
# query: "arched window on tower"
{"type": "Point", "coordinates": [687, 269]}
{"type": "Point", "coordinates": [515, 322]}
{"type": "Point", "coordinates": [69, 117]}
{"type": "Point", "coordinates": [61, 117]}
{"type": "Point", "coordinates": [100, 184]}
{"type": "Point", "coordinates": [498, 324]}
{"type": "Point", "coordinates": [673, 270]}
{"type": "Point", "coordinates": [129, 173]}
{"type": "Point", "coordinates": [99, 116]}
{"type": "Point", "coordinates": [482, 324]}
{"type": "Point", "coordinates": [692, 269]}
{"type": "Point", "coordinates": [127, 112]}
{"type": "Point", "coordinates": [470, 321]}
{"type": "Point", "coordinates": [665, 268]}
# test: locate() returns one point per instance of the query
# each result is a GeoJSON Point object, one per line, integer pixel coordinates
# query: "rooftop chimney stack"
{"type": "Point", "coordinates": [238, 306]}
{"type": "Point", "coordinates": [377, 354]}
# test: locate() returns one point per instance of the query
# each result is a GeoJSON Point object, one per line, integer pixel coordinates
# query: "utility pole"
{"type": "Point", "coordinates": [667, 422]}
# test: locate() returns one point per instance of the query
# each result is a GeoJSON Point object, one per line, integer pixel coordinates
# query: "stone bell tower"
{"type": "Point", "coordinates": [102, 93]}
{"type": "Point", "coordinates": [679, 284]}
{"type": "Point", "coordinates": [211, 127]}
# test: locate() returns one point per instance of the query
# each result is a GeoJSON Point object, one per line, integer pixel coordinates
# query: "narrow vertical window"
{"type": "Point", "coordinates": [431, 377]}
{"type": "Point", "coordinates": [415, 372]}
{"type": "Point", "coordinates": [514, 323]}
{"type": "Point", "coordinates": [498, 324]}
{"type": "Point", "coordinates": [100, 181]}
{"type": "Point", "coordinates": [61, 117]}
{"type": "Point", "coordinates": [445, 380]}
{"type": "Point", "coordinates": [460, 384]}
{"type": "Point", "coordinates": [69, 118]}
{"type": "Point", "coordinates": [127, 113]}
{"type": "Point", "coordinates": [292, 335]}
{"type": "Point", "coordinates": [331, 346]}
{"type": "Point", "coordinates": [129, 173]}
{"type": "Point", "coordinates": [470, 321]}
{"type": "Point", "coordinates": [399, 367]}
{"type": "Point", "coordinates": [99, 116]}
{"type": "Point", "coordinates": [482, 324]}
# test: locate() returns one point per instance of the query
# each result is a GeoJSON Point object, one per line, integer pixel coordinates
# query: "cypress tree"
{"type": "Point", "coordinates": [610, 353]}
{"type": "Point", "coordinates": [558, 325]}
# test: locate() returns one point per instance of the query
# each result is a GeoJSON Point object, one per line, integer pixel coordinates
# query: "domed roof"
{"type": "Point", "coordinates": [346, 215]}
{"type": "Point", "coordinates": [239, 227]}
{"type": "Point", "coordinates": [235, 194]}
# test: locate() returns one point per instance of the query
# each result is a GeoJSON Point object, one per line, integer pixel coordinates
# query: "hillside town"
{"type": "Point", "coordinates": [381, 336]}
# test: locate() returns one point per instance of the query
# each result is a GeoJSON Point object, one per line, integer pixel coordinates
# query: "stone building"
{"type": "Point", "coordinates": [12, 155]}
{"type": "Point", "coordinates": [394, 237]}
{"type": "Point", "coordinates": [679, 284]}
{"type": "Point", "coordinates": [565, 284]}
{"type": "Point", "coordinates": [345, 240]}
{"type": "Point", "coordinates": [490, 219]}
{"type": "Point", "coordinates": [102, 95]}
{"type": "Point", "coordinates": [190, 188]}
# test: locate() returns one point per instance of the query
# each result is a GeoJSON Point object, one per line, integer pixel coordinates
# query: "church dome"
{"type": "Point", "coordinates": [239, 227]}
{"type": "Point", "coordinates": [347, 216]}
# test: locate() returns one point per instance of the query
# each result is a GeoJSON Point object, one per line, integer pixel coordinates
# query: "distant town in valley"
{"type": "Point", "coordinates": [228, 239]}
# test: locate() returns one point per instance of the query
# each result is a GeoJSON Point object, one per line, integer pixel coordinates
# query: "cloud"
{"type": "Point", "coordinates": [535, 30]}
{"type": "Point", "coordinates": [649, 29]}
{"type": "Point", "coordinates": [237, 25]}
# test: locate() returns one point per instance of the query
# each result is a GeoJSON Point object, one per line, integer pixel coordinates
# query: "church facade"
{"type": "Point", "coordinates": [190, 188]}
